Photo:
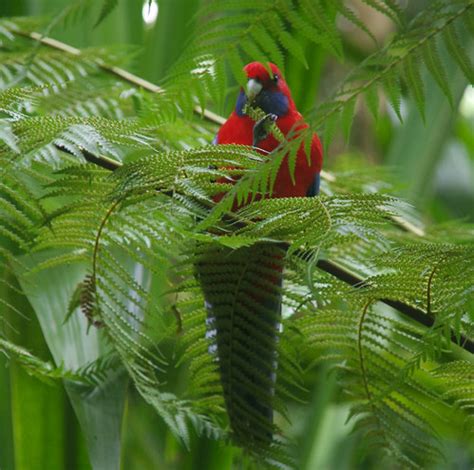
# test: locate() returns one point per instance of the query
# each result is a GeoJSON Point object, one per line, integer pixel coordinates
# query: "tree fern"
{"type": "Point", "coordinates": [140, 229]}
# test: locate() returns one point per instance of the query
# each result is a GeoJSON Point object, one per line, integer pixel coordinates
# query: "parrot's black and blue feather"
{"type": "Point", "coordinates": [242, 288]}
{"type": "Point", "coordinates": [313, 189]}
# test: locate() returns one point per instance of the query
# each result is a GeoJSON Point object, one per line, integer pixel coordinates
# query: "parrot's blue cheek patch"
{"type": "Point", "coordinates": [273, 102]}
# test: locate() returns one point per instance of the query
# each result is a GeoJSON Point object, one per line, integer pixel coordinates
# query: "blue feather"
{"type": "Point", "coordinates": [271, 102]}
{"type": "Point", "coordinates": [313, 189]}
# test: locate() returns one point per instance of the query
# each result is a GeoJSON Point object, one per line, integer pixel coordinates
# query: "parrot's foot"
{"type": "Point", "coordinates": [262, 128]}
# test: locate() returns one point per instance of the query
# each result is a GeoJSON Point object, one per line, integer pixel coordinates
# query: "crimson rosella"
{"type": "Point", "coordinates": [242, 287]}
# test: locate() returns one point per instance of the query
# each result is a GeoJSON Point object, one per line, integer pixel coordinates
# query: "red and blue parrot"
{"type": "Point", "coordinates": [242, 287]}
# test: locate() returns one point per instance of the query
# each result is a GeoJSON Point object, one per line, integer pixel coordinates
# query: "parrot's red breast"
{"type": "Point", "coordinates": [274, 97]}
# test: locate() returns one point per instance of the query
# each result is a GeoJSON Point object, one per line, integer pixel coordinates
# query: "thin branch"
{"type": "Point", "coordinates": [121, 73]}
{"type": "Point", "coordinates": [334, 269]}
{"type": "Point", "coordinates": [151, 87]}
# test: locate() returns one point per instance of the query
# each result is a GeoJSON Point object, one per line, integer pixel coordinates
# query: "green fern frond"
{"type": "Point", "coordinates": [414, 46]}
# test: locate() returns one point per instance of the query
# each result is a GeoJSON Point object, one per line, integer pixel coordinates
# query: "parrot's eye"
{"type": "Point", "coordinates": [275, 78]}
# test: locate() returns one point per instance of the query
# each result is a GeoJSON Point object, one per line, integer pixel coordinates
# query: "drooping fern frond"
{"type": "Point", "coordinates": [92, 374]}
{"type": "Point", "coordinates": [370, 348]}
{"type": "Point", "coordinates": [430, 267]}
{"type": "Point", "coordinates": [35, 366]}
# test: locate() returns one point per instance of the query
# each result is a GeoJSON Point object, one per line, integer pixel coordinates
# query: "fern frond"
{"type": "Point", "coordinates": [407, 51]}
{"type": "Point", "coordinates": [41, 369]}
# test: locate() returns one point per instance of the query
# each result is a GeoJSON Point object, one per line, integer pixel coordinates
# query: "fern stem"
{"type": "Point", "coordinates": [361, 354]}
{"type": "Point", "coordinates": [95, 252]}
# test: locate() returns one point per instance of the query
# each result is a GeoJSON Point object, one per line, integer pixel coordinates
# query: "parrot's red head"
{"type": "Point", "coordinates": [268, 90]}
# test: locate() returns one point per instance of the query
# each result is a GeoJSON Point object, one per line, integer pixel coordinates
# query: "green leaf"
{"type": "Point", "coordinates": [330, 129]}
{"type": "Point", "coordinates": [236, 65]}
{"type": "Point", "coordinates": [38, 418]}
{"type": "Point", "coordinates": [458, 52]}
{"type": "Point", "coordinates": [387, 8]}
{"type": "Point", "coordinates": [107, 7]}
{"type": "Point", "coordinates": [347, 117]}
{"type": "Point", "coordinates": [293, 47]}
{"type": "Point", "coordinates": [98, 408]}
{"type": "Point", "coordinates": [264, 39]}
{"type": "Point", "coordinates": [392, 86]}
{"type": "Point", "coordinates": [372, 100]}
{"type": "Point", "coordinates": [436, 68]}
{"type": "Point", "coordinates": [415, 83]}
{"type": "Point", "coordinates": [354, 19]}
{"type": "Point", "coordinates": [253, 51]}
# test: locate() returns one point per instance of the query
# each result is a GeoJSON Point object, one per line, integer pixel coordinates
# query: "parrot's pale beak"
{"type": "Point", "coordinates": [253, 89]}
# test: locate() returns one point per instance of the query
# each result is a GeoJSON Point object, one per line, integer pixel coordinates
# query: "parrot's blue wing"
{"type": "Point", "coordinates": [313, 189]}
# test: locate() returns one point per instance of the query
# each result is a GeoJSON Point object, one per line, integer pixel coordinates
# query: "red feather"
{"type": "Point", "coordinates": [239, 130]}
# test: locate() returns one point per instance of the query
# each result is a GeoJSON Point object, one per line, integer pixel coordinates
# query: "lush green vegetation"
{"type": "Point", "coordinates": [106, 185]}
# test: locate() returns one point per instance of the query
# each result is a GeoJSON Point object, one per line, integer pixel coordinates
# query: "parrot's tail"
{"type": "Point", "coordinates": [242, 290]}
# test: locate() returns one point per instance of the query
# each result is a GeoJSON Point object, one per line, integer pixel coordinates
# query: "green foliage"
{"type": "Point", "coordinates": [91, 374]}
{"type": "Point", "coordinates": [145, 232]}
{"type": "Point", "coordinates": [107, 8]}
{"type": "Point", "coordinates": [417, 44]}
